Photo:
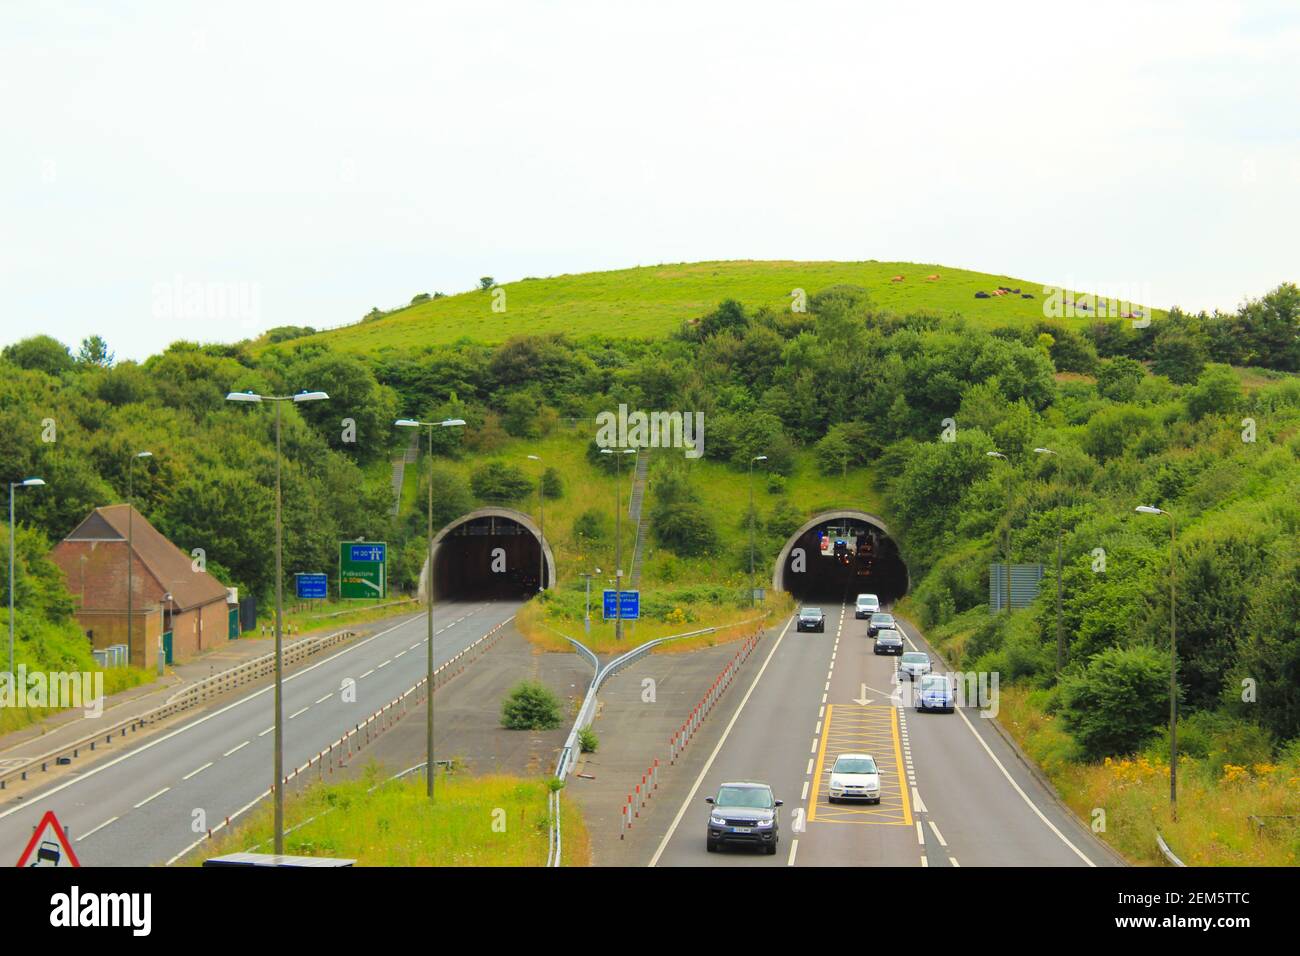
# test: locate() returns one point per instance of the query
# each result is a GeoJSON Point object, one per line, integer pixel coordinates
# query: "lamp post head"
{"type": "Point", "coordinates": [30, 482]}
{"type": "Point", "coordinates": [760, 458]}
{"type": "Point", "coordinates": [144, 454]}
{"type": "Point", "coordinates": [534, 458]}
{"type": "Point", "coordinates": [1044, 451]}
{"type": "Point", "coordinates": [248, 396]}
{"type": "Point", "coordinates": [451, 422]}
{"type": "Point", "coordinates": [306, 396]}
{"type": "Point", "coordinates": [1149, 510]}
{"type": "Point", "coordinates": [996, 454]}
{"type": "Point", "coordinates": [407, 423]}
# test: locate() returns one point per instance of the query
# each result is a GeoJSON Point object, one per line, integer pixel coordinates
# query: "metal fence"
{"type": "Point", "coordinates": [1025, 582]}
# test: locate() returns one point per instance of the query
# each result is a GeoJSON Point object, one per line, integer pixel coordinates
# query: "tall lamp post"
{"type": "Point", "coordinates": [618, 537]}
{"type": "Point", "coordinates": [428, 595]}
{"type": "Point", "coordinates": [25, 483]}
{"type": "Point", "coordinates": [1173, 660]}
{"type": "Point", "coordinates": [1007, 535]}
{"type": "Point", "coordinates": [751, 525]}
{"type": "Point", "coordinates": [277, 784]}
{"type": "Point", "coordinates": [541, 520]}
{"type": "Point", "coordinates": [1060, 623]}
{"type": "Point", "coordinates": [130, 550]}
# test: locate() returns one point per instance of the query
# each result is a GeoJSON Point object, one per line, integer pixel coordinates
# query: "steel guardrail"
{"type": "Point", "coordinates": [178, 703]}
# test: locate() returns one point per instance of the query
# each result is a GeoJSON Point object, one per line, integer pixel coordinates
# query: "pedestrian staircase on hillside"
{"type": "Point", "coordinates": [636, 513]}
{"type": "Point", "coordinates": [409, 456]}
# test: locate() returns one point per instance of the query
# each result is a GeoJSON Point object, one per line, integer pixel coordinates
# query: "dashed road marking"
{"type": "Point", "coordinates": [234, 748]}
{"type": "Point", "coordinates": [156, 795]}
{"type": "Point", "coordinates": [195, 772]}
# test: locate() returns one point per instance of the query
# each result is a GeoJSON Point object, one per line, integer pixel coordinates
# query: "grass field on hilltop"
{"type": "Point", "coordinates": [652, 301]}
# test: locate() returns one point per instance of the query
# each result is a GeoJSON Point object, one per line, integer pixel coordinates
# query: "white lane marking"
{"type": "Point", "coordinates": [321, 700]}
{"type": "Point", "coordinates": [925, 861]}
{"type": "Point", "coordinates": [398, 654]}
{"type": "Point", "coordinates": [415, 645]}
{"type": "Point", "coordinates": [953, 861]}
{"type": "Point", "coordinates": [810, 765]}
{"type": "Point", "coordinates": [367, 673]}
{"type": "Point", "coordinates": [814, 745]}
{"type": "Point", "coordinates": [804, 796]}
{"type": "Point", "coordinates": [206, 717]}
{"type": "Point", "coordinates": [917, 805]}
{"type": "Point", "coordinates": [937, 834]}
{"type": "Point", "coordinates": [297, 712]}
{"type": "Point", "coordinates": [1024, 796]}
{"type": "Point", "coordinates": [821, 711]}
{"type": "Point", "coordinates": [794, 848]}
{"type": "Point", "coordinates": [819, 728]}
{"type": "Point", "coordinates": [234, 748]}
{"type": "Point", "coordinates": [385, 663]}
{"type": "Point", "coordinates": [263, 733]}
{"type": "Point", "coordinates": [708, 764]}
{"type": "Point", "coordinates": [158, 794]}
{"type": "Point", "coordinates": [920, 833]}
{"type": "Point", "coordinates": [197, 770]}
{"type": "Point", "coordinates": [97, 829]}
{"type": "Point", "coordinates": [823, 698]}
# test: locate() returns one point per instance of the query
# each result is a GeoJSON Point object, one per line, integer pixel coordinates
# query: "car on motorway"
{"type": "Point", "coordinates": [914, 664]}
{"type": "Point", "coordinates": [888, 641]}
{"type": "Point", "coordinates": [854, 777]}
{"type": "Point", "coordinates": [811, 619]}
{"type": "Point", "coordinates": [881, 620]}
{"type": "Point", "coordinates": [745, 814]}
{"type": "Point", "coordinates": [935, 693]}
{"type": "Point", "coordinates": [868, 604]}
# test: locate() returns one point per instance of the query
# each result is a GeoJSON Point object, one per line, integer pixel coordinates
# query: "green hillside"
{"type": "Point", "coordinates": [650, 301]}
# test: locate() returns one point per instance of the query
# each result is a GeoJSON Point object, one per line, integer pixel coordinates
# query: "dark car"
{"type": "Point", "coordinates": [881, 620]}
{"type": "Point", "coordinates": [811, 619]}
{"type": "Point", "coordinates": [936, 693]}
{"type": "Point", "coordinates": [743, 813]}
{"type": "Point", "coordinates": [888, 641]}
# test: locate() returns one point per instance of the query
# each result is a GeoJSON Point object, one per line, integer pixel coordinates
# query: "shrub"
{"type": "Point", "coordinates": [593, 524]}
{"type": "Point", "coordinates": [1116, 704]}
{"type": "Point", "coordinates": [499, 482]}
{"type": "Point", "coordinates": [587, 740]}
{"type": "Point", "coordinates": [530, 706]}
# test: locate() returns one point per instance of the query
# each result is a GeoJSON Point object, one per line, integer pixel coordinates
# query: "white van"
{"type": "Point", "coordinates": [868, 604]}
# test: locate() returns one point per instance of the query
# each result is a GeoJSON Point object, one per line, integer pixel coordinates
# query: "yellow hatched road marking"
{"type": "Point", "coordinates": [861, 728]}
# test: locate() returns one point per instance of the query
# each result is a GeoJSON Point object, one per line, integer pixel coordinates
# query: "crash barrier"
{"type": "Point", "coordinates": [337, 754]}
{"type": "Point", "coordinates": [1167, 853]}
{"type": "Point", "coordinates": [642, 792]}
{"type": "Point", "coordinates": [586, 713]}
{"type": "Point", "coordinates": [178, 703]}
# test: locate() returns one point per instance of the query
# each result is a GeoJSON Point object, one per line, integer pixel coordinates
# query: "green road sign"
{"type": "Point", "coordinates": [363, 567]}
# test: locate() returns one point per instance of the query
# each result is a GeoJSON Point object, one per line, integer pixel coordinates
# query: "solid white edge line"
{"type": "Point", "coordinates": [1024, 796]}
{"type": "Point", "coordinates": [939, 836]}
{"type": "Point", "coordinates": [695, 787]}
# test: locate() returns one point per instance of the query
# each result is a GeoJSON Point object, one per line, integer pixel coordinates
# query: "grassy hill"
{"type": "Point", "coordinates": [650, 301]}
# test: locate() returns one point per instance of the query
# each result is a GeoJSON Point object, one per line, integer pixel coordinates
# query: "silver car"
{"type": "Point", "coordinates": [914, 664]}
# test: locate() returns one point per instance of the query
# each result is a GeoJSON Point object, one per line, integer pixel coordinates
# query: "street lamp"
{"type": "Point", "coordinates": [1173, 661]}
{"type": "Point", "coordinates": [25, 483]}
{"type": "Point", "coordinates": [618, 537]}
{"type": "Point", "coordinates": [1060, 624]}
{"type": "Point", "coordinates": [278, 782]}
{"type": "Point", "coordinates": [1007, 535]}
{"type": "Point", "coordinates": [751, 525]}
{"type": "Point", "coordinates": [130, 549]}
{"type": "Point", "coordinates": [428, 594]}
{"type": "Point", "coordinates": [541, 518]}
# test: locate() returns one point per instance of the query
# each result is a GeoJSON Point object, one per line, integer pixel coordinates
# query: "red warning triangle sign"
{"type": "Point", "coordinates": [48, 852]}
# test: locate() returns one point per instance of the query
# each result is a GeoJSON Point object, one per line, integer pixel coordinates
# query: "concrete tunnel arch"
{"type": "Point", "coordinates": [460, 556]}
{"type": "Point", "coordinates": [888, 577]}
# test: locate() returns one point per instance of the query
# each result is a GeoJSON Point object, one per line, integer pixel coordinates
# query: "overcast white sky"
{"type": "Point", "coordinates": [314, 160]}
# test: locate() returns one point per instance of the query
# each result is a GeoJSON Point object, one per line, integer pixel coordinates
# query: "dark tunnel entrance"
{"type": "Point", "coordinates": [838, 555]}
{"type": "Point", "coordinates": [490, 553]}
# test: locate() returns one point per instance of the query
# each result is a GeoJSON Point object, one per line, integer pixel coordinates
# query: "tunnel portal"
{"type": "Point", "coordinates": [489, 553]}
{"type": "Point", "coordinates": [837, 555]}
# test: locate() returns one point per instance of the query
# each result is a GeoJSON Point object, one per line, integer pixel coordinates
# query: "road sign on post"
{"type": "Point", "coordinates": [363, 569]}
{"type": "Point", "coordinates": [311, 586]}
{"type": "Point", "coordinates": [631, 605]}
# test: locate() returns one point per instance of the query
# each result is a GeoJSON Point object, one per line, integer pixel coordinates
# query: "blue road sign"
{"type": "Point", "coordinates": [631, 605]}
{"type": "Point", "coordinates": [311, 586]}
{"type": "Point", "coordinates": [377, 552]}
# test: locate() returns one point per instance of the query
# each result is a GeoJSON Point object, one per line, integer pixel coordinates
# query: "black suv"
{"type": "Point", "coordinates": [743, 813]}
{"type": "Point", "coordinates": [811, 619]}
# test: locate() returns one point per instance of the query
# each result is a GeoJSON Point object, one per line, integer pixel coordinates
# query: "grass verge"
{"type": "Point", "coordinates": [474, 821]}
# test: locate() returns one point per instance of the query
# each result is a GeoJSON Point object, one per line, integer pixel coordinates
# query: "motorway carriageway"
{"type": "Point", "coordinates": [953, 792]}
{"type": "Point", "coordinates": [138, 808]}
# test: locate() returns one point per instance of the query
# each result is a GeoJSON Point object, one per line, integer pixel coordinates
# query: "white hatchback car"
{"type": "Point", "coordinates": [868, 604]}
{"type": "Point", "coordinates": [854, 777]}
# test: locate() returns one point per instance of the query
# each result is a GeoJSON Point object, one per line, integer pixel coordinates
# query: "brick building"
{"type": "Point", "coordinates": [170, 597]}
